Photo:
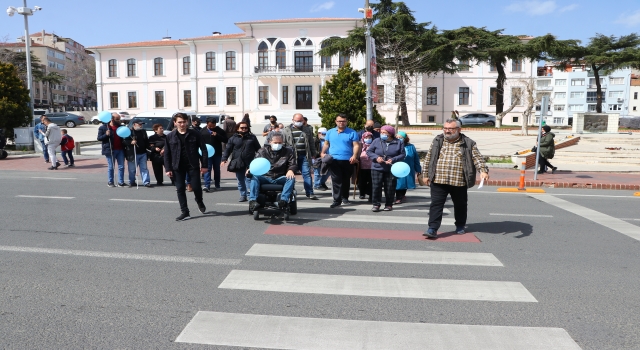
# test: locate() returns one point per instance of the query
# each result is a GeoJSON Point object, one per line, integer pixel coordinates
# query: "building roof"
{"type": "Point", "coordinates": [293, 20]}
{"type": "Point", "coordinates": [21, 45]}
{"type": "Point", "coordinates": [219, 36]}
{"type": "Point", "coordinates": [141, 44]}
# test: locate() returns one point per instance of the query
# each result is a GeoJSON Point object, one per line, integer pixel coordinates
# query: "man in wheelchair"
{"type": "Point", "coordinates": [282, 172]}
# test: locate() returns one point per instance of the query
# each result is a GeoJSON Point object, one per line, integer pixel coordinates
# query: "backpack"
{"type": "Point", "coordinates": [70, 144]}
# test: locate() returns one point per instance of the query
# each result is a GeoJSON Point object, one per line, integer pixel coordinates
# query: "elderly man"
{"type": "Point", "coordinates": [451, 165]}
{"type": "Point", "coordinates": [300, 138]}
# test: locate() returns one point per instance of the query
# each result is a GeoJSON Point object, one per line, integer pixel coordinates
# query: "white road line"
{"type": "Point", "coordinates": [527, 215]}
{"type": "Point", "coordinates": [390, 287]}
{"type": "Point", "coordinates": [149, 257]}
{"type": "Point", "coordinates": [367, 207]}
{"type": "Point", "coordinates": [631, 219]}
{"type": "Point", "coordinates": [141, 200]}
{"type": "Point", "coordinates": [605, 220]}
{"type": "Point", "coordinates": [373, 255]}
{"type": "Point", "coordinates": [281, 332]}
{"type": "Point", "coordinates": [49, 197]}
{"type": "Point", "coordinates": [53, 178]}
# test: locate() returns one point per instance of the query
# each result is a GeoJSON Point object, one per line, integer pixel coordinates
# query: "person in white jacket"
{"type": "Point", "coordinates": [52, 138]}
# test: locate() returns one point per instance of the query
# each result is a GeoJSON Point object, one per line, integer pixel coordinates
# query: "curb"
{"type": "Point", "coordinates": [594, 186]}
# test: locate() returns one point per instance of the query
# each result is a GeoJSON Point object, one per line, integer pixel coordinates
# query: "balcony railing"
{"type": "Point", "coordinates": [544, 88]}
{"type": "Point", "coordinates": [296, 69]}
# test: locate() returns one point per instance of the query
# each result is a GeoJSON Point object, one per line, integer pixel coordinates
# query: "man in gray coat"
{"type": "Point", "coordinates": [52, 138]}
{"type": "Point", "coordinates": [299, 138]}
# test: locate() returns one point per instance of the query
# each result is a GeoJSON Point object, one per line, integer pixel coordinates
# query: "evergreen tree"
{"type": "Point", "coordinates": [345, 93]}
{"type": "Point", "coordinates": [14, 100]}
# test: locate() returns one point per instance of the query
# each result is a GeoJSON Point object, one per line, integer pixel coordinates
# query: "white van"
{"type": "Point", "coordinates": [160, 117]}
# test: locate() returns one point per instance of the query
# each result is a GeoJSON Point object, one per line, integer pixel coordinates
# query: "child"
{"type": "Point", "coordinates": [66, 146]}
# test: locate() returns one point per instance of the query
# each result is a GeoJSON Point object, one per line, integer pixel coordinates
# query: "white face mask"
{"type": "Point", "coordinates": [298, 124]}
{"type": "Point", "coordinates": [321, 136]}
{"type": "Point", "coordinates": [276, 146]}
{"type": "Point", "coordinates": [136, 127]}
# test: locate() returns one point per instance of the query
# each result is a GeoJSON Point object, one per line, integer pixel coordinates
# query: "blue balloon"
{"type": "Point", "coordinates": [123, 132]}
{"type": "Point", "coordinates": [210, 151]}
{"type": "Point", "coordinates": [259, 166]}
{"type": "Point", "coordinates": [104, 116]}
{"type": "Point", "coordinates": [400, 169]}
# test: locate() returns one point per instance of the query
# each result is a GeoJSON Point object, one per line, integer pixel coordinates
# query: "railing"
{"type": "Point", "coordinates": [544, 88]}
{"type": "Point", "coordinates": [296, 69]}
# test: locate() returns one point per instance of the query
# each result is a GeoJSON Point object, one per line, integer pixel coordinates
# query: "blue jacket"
{"type": "Point", "coordinates": [107, 140]}
{"type": "Point", "coordinates": [393, 150]}
{"type": "Point", "coordinates": [36, 131]}
{"type": "Point", "coordinates": [413, 159]}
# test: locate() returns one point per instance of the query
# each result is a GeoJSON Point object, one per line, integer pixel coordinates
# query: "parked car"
{"type": "Point", "coordinates": [65, 119]}
{"type": "Point", "coordinates": [159, 117]}
{"type": "Point", "coordinates": [478, 119]}
{"type": "Point", "coordinates": [218, 117]}
{"type": "Point", "coordinates": [125, 117]}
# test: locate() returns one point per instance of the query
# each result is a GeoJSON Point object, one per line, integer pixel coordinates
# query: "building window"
{"type": "Point", "coordinates": [492, 67]}
{"type": "Point", "coordinates": [113, 68]}
{"type": "Point", "coordinates": [131, 67]}
{"type": "Point", "coordinates": [561, 82]}
{"type": "Point", "coordinates": [285, 95]}
{"type": "Point", "coordinates": [186, 65]}
{"type": "Point", "coordinates": [263, 55]}
{"type": "Point", "coordinates": [591, 108]}
{"type": "Point", "coordinates": [560, 95]}
{"type": "Point", "coordinates": [615, 107]}
{"type": "Point", "coordinates": [635, 108]}
{"type": "Point", "coordinates": [516, 65]}
{"type": "Point", "coordinates": [592, 96]}
{"type": "Point", "coordinates": [431, 119]}
{"type": "Point", "coordinates": [231, 96]}
{"type": "Point", "coordinates": [464, 66]}
{"type": "Point", "coordinates": [592, 82]}
{"type": "Point", "coordinates": [635, 95]}
{"type": "Point", "coordinates": [576, 108]}
{"type": "Point", "coordinates": [187, 98]}
{"type": "Point", "coordinates": [342, 60]}
{"type": "Point", "coordinates": [543, 83]}
{"type": "Point", "coordinates": [493, 96]}
{"type": "Point", "coordinates": [558, 108]}
{"type": "Point", "coordinates": [577, 94]}
{"type": "Point", "coordinates": [211, 96]}
{"type": "Point", "coordinates": [618, 94]}
{"type": "Point", "coordinates": [158, 66]}
{"type": "Point", "coordinates": [263, 95]}
{"type": "Point", "coordinates": [113, 98]}
{"type": "Point", "coordinates": [515, 119]}
{"type": "Point", "coordinates": [281, 55]}
{"type": "Point", "coordinates": [380, 93]}
{"type": "Point", "coordinates": [432, 96]}
{"type": "Point", "coordinates": [210, 61]}
{"type": "Point", "coordinates": [231, 60]}
{"type": "Point", "coordinates": [159, 99]}
{"type": "Point", "coordinates": [133, 99]}
{"type": "Point", "coordinates": [557, 120]}
{"type": "Point", "coordinates": [577, 82]}
{"type": "Point", "coordinates": [616, 81]}
{"type": "Point", "coordinates": [463, 96]}
{"type": "Point", "coordinates": [516, 96]}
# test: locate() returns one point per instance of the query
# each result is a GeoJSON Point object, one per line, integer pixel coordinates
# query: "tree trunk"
{"type": "Point", "coordinates": [404, 115]}
{"type": "Point", "coordinates": [596, 75]}
{"type": "Point", "coordinates": [502, 77]}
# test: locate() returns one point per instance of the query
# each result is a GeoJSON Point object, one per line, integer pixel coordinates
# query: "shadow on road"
{"type": "Point", "coordinates": [502, 227]}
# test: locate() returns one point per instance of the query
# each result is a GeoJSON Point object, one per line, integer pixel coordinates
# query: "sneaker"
{"type": "Point", "coordinates": [375, 209]}
{"type": "Point", "coordinates": [362, 196]}
{"type": "Point", "coordinates": [201, 207]}
{"type": "Point", "coordinates": [120, 184]}
{"type": "Point", "coordinates": [318, 189]}
{"type": "Point", "coordinates": [460, 230]}
{"type": "Point", "coordinates": [388, 208]}
{"type": "Point", "coordinates": [553, 170]}
{"type": "Point", "coordinates": [71, 165]}
{"type": "Point", "coordinates": [431, 233]}
{"type": "Point", "coordinates": [242, 199]}
{"type": "Point", "coordinates": [67, 165]}
{"type": "Point", "coordinates": [282, 204]}
{"type": "Point", "coordinates": [335, 204]}
{"type": "Point", "coordinates": [148, 185]}
{"type": "Point", "coordinates": [46, 161]}
{"type": "Point", "coordinates": [253, 205]}
{"type": "Point", "coordinates": [324, 187]}
{"type": "Point", "coordinates": [183, 217]}
{"type": "Point", "coordinates": [159, 184]}
{"type": "Point", "coordinates": [52, 168]}
{"type": "Point", "coordinates": [312, 197]}
{"type": "Point", "coordinates": [132, 185]}
{"type": "Point", "coordinates": [205, 189]}
{"type": "Point", "coordinates": [398, 201]}
{"type": "Point", "coordinates": [346, 201]}
{"type": "Point", "coordinates": [57, 164]}
{"type": "Point", "coordinates": [110, 184]}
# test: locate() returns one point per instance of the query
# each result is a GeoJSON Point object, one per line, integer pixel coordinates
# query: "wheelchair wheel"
{"type": "Point", "coordinates": [3, 154]}
{"type": "Point", "coordinates": [293, 207]}
{"type": "Point", "coordinates": [286, 216]}
{"type": "Point", "coordinates": [256, 215]}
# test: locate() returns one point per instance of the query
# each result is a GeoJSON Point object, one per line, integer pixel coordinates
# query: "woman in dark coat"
{"type": "Point", "coordinates": [156, 145]}
{"type": "Point", "coordinates": [384, 152]}
{"type": "Point", "coordinates": [247, 120]}
{"type": "Point", "coordinates": [242, 147]}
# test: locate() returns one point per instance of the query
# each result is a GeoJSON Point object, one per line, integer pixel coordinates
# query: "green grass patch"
{"type": "Point", "coordinates": [499, 160]}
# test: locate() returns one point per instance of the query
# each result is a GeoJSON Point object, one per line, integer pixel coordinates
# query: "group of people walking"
{"type": "Point", "coordinates": [51, 137]}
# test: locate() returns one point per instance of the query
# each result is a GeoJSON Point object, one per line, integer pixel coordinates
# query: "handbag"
{"type": "Point", "coordinates": [237, 164]}
{"type": "Point", "coordinates": [534, 149]}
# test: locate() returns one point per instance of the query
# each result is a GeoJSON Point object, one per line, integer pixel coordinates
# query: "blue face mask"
{"type": "Point", "coordinates": [368, 141]}
{"type": "Point", "coordinates": [384, 136]}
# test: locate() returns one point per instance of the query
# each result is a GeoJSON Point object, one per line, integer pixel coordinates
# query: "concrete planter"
{"type": "Point", "coordinates": [596, 123]}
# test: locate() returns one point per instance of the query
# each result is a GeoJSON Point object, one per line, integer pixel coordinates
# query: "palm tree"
{"type": "Point", "coordinates": [51, 79]}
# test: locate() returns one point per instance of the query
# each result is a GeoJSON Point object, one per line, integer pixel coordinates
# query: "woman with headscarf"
{"type": "Point", "coordinates": [413, 160]}
{"type": "Point", "coordinates": [384, 152]}
{"type": "Point", "coordinates": [364, 174]}
{"type": "Point", "coordinates": [242, 148]}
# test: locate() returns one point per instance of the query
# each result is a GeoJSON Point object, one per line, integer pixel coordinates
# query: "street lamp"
{"type": "Point", "coordinates": [25, 11]}
{"type": "Point", "coordinates": [368, 15]}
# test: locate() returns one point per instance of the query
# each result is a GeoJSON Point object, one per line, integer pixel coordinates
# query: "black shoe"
{"type": "Point", "coordinates": [553, 170]}
{"type": "Point", "coordinates": [541, 171]}
{"type": "Point", "coordinates": [52, 168]}
{"type": "Point", "coordinates": [205, 189]}
{"type": "Point", "coordinates": [183, 217]}
{"type": "Point", "coordinates": [282, 204]}
{"type": "Point", "coordinates": [242, 199]}
{"type": "Point", "coordinates": [253, 205]}
{"type": "Point", "coordinates": [324, 187]}
{"type": "Point", "coordinates": [120, 184]}
{"type": "Point", "coordinates": [335, 204]}
{"type": "Point", "coordinates": [346, 201]}
{"type": "Point", "coordinates": [57, 164]}
{"type": "Point", "coordinates": [148, 185]}
{"type": "Point", "coordinates": [132, 185]}
{"type": "Point", "coordinates": [71, 165]}
{"type": "Point", "coordinates": [312, 197]}
{"type": "Point", "coordinates": [201, 207]}
{"type": "Point", "coordinates": [159, 184]}
{"type": "Point", "coordinates": [110, 184]}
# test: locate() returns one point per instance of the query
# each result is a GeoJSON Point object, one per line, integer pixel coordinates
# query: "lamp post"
{"type": "Point", "coordinates": [25, 11]}
{"type": "Point", "coordinates": [368, 15]}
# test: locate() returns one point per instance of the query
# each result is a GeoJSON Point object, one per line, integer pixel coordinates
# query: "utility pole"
{"type": "Point", "coordinates": [368, 15]}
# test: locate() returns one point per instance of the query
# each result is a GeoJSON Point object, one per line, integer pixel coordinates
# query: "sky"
{"type": "Point", "coordinates": [100, 22]}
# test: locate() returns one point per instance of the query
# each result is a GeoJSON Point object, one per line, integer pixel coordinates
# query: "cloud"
{"type": "Point", "coordinates": [539, 8]}
{"type": "Point", "coordinates": [629, 19]}
{"type": "Point", "coordinates": [322, 7]}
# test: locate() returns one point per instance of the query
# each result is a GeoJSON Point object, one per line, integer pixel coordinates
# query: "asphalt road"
{"type": "Point", "coordinates": [102, 269]}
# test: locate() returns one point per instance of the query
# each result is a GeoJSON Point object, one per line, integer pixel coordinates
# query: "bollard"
{"type": "Point", "coordinates": [522, 171]}
{"type": "Point", "coordinates": [76, 150]}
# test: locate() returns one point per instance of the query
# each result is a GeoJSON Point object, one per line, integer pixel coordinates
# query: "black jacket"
{"type": "Point", "coordinates": [281, 161]}
{"type": "Point", "coordinates": [215, 141]}
{"type": "Point", "coordinates": [107, 141]}
{"type": "Point", "coordinates": [141, 146]}
{"type": "Point", "coordinates": [159, 141]}
{"type": "Point", "coordinates": [234, 147]}
{"type": "Point", "coordinates": [193, 142]}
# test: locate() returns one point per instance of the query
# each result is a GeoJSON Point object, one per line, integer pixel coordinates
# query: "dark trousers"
{"type": "Point", "coordinates": [380, 179]}
{"type": "Point", "coordinates": [66, 154]}
{"type": "Point", "coordinates": [401, 193]}
{"type": "Point", "coordinates": [543, 163]}
{"type": "Point", "coordinates": [180, 176]}
{"type": "Point", "coordinates": [439, 195]}
{"type": "Point", "coordinates": [157, 163]}
{"type": "Point", "coordinates": [341, 171]}
{"type": "Point", "coordinates": [364, 182]}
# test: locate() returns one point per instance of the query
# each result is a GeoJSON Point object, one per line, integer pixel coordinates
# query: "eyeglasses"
{"type": "Point", "coordinates": [449, 129]}
{"type": "Point", "coordinates": [341, 121]}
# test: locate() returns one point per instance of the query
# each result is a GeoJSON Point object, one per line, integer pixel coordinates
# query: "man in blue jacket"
{"type": "Point", "coordinates": [112, 148]}
{"type": "Point", "coordinates": [40, 137]}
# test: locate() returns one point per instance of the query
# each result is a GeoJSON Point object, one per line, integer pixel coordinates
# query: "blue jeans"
{"type": "Point", "coordinates": [256, 181]}
{"type": "Point", "coordinates": [45, 152]}
{"type": "Point", "coordinates": [243, 183]}
{"type": "Point", "coordinates": [306, 173]}
{"type": "Point", "coordinates": [214, 164]}
{"type": "Point", "coordinates": [141, 159]}
{"type": "Point", "coordinates": [118, 155]}
{"type": "Point", "coordinates": [70, 155]}
{"type": "Point", "coordinates": [319, 179]}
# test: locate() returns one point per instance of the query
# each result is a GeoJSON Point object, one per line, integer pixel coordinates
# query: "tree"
{"type": "Point", "coordinates": [19, 61]}
{"type": "Point", "coordinates": [516, 99]}
{"type": "Point", "coordinates": [345, 93]}
{"type": "Point", "coordinates": [14, 100]}
{"type": "Point", "coordinates": [51, 79]}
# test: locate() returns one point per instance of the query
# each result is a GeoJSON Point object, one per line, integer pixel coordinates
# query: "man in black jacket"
{"type": "Point", "coordinates": [181, 157]}
{"type": "Point", "coordinates": [213, 135]}
{"type": "Point", "coordinates": [282, 171]}
{"type": "Point", "coordinates": [136, 146]}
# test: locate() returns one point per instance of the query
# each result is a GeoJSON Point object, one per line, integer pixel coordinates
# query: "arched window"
{"type": "Point", "coordinates": [231, 60]}
{"type": "Point", "coordinates": [131, 67]}
{"type": "Point", "coordinates": [210, 59]}
{"type": "Point", "coordinates": [281, 55]}
{"type": "Point", "coordinates": [158, 66]}
{"type": "Point", "coordinates": [343, 59]}
{"type": "Point", "coordinates": [113, 68]}
{"type": "Point", "coordinates": [325, 61]}
{"type": "Point", "coordinates": [263, 55]}
{"type": "Point", "coordinates": [309, 43]}
{"type": "Point", "coordinates": [297, 43]}
{"type": "Point", "coordinates": [186, 65]}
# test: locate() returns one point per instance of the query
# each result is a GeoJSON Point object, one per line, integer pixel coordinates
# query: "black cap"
{"type": "Point", "coordinates": [376, 125]}
{"type": "Point", "coordinates": [195, 119]}
{"type": "Point", "coordinates": [211, 120]}
{"type": "Point", "coordinates": [137, 121]}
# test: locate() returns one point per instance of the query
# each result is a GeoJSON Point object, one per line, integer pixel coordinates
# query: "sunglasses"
{"type": "Point", "coordinates": [243, 128]}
